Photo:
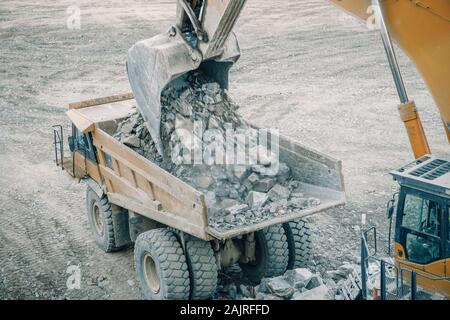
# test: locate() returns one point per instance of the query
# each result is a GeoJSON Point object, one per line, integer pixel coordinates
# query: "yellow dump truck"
{"type": "Point", "coordinates": [177, 254]}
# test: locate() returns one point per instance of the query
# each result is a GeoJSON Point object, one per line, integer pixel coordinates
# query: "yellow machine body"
{"type": "Point", "coordinates": [422, 30]}
{"type": "Point", "coordinates": [426, 272]}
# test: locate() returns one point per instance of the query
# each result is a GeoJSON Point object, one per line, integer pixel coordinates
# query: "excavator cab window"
{"type": "Point", "coordinates": [420, 227]}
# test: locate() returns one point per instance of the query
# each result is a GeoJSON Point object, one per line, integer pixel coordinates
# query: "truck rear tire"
{"type": "Point", "coordinates": [272, 254]}
{"type": "Point", "coordinates": [100, 220]}
{"type": "Point", "coordinates": [202, 268]}
{"type": "Point", "coordinates": [299, 243]}
{"type": "Point", "coordinates": [161, 266]}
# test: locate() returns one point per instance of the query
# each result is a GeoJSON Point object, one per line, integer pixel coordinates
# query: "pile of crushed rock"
{"type": "Point", "coordinates": [297, 284]}
{"type": "Point", "coordinates": [196, 114]}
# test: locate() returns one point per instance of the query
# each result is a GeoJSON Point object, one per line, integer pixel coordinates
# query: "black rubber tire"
{"type": "Point", "coordinates": [202, 268]}
{"type": "Point", "coordinates": [105, 239]}
{"type": "Point", "coordinates": [299, 243]}
{"type": "Point", "coordinates": [272, 254]}
{"type": "Point", "coordinates": [165, 250]}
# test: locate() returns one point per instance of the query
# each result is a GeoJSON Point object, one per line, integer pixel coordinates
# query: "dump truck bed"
{"type": "Point", "coordinates": [139, 185]}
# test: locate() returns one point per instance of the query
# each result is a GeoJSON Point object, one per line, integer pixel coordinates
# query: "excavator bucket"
{"type": "Point", "coordinates": [202, 39]}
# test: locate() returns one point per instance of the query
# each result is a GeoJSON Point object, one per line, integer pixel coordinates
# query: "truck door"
{"type": "Point", "coordinates": [83, 153]}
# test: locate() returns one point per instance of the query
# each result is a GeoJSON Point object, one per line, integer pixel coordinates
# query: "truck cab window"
{"type": "Point", "coordinates": [83, 142]}
{"type": "Point", "coordinates": [421, 221]}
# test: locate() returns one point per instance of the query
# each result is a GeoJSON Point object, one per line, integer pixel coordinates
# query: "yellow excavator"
{"type": "Point", "coordinates": [421, 28]}
{"type": "Point", "coordinates": [202, 38]}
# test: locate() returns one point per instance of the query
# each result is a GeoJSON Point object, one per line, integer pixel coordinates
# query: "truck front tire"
{"type": "Point", "coordinates": [100, 220]}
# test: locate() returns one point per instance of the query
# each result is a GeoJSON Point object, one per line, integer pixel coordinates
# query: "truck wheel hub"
{"type": "Point", "coordinates": [151, 273]}
{"type": "Point", "coordinates": [98, 220]}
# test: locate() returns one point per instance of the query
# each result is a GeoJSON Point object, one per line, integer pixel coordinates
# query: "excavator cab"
{"type": "Point", "coordinates": [422, 231]}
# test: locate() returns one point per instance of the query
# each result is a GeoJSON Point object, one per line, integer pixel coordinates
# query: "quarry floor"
{"type": "Point", "coordinates": [307, 69]}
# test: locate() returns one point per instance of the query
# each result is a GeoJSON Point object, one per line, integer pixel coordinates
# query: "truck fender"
{"type": "Point", "coordinates": [95, 187]}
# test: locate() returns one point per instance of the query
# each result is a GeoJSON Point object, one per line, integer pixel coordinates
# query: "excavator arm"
{"type": "Point", "coordinates": [211, 20]}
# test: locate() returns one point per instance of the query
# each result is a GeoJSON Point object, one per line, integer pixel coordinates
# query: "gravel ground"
{"type": "Point", "coordinates": [306, 69]}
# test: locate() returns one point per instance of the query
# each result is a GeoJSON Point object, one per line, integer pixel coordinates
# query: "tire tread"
{"type": "Point", "coordinates": [174, 272]}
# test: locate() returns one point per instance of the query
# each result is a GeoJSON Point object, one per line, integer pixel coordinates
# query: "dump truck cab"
{"type": "Point", "coordinates": [422, 233]}
{"type": "Point", "coordinates": [80, 145]}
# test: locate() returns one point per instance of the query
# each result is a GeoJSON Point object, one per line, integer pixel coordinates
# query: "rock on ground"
{"type": "Point", "coordinates": [296, 284]}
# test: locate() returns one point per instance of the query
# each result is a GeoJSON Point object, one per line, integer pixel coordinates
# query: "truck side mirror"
{"type": "Point", "coordinates": [390, 211]}
{"type": "Point", "coordinates": [389, 214]}
{"type": "Point", "coordinates": [390, 207]}
{"type": "Point", "coordinates": [71, 142]}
